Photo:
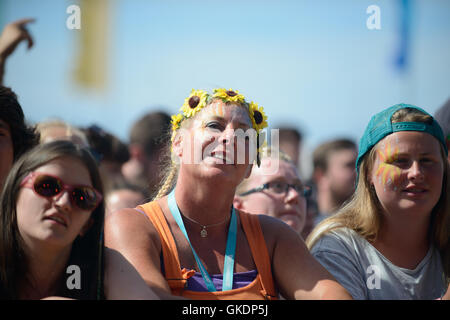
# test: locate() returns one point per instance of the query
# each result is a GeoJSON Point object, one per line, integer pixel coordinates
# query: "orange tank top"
{"type": "Point", "coordinates": [262, 287]}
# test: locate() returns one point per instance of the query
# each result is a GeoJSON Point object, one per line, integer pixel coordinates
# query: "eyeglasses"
{"type": "Point", "coordinates": [85, 198]}
{"type": "Point", "coordinates": [279, 187]}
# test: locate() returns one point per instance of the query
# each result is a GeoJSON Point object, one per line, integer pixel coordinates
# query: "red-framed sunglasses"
{"type": "Point", "coordinates": [84, 197]}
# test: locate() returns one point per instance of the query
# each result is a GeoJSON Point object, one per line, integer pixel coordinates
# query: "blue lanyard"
{"type": "Point", "coordinates": [229, 252]}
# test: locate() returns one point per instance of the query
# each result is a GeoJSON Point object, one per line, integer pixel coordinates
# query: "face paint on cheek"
{"type": "Point", "coordinates": [387, 173]}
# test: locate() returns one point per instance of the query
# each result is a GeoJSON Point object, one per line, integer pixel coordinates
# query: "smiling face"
{"type": "Point", "coordinates": [55, 220]}
{"type": "Point", "coordinates": [408, 173]}
{"type": "Point", "coordinates": [289, 207]}
{"type": "Point", "coordinates": [210, 147]}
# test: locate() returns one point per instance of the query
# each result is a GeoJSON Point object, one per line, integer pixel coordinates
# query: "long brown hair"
{"type": "Point", "coordinates": [87, 251]}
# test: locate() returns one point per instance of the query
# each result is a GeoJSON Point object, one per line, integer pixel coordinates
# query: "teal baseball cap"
{"type": "Point", "coordinates": [380, 126]}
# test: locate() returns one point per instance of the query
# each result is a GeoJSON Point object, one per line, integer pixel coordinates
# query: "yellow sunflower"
{"type": "Point", "coordinates": [176, 120]}
{"type": "Point", "coordinates": [259, 118]}
{"type": "Point", "coordinates": [229, 95]}
{"type": "Point", "coordinates": [194, 103]}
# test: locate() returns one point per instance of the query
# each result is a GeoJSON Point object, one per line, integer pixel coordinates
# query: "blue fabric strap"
{"type": "Point", "coordinates": [229, 252]}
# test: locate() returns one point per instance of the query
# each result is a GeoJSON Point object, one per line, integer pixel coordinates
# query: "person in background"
{"type": "Point", "coordinates": [147, 140]}
{"type": "Point", "coordinates": [125, 196]}
{"type": "Point", "coordinates": [16, 137]}
{"type": "Point", "coordinates": [51, 244]}
{"type": "Point", "coordinates": [291, 143]}
{"type": "Point", "coordinates": [274, 189]}
{"type": "Point", "coordinates": [391, 240]}
{"type": "Point", "coordinates": [190, 241]}
{"type": "Point", "coordinates": [442, 116]}
{"type": "Point", "coordinates": [111, 153]}
{"type": "Point", "coordinates": [56, 129]}
{"type": "Point", "coordinates": [333, 175]}
{"type": "Point", "coordinates": [312, 211]}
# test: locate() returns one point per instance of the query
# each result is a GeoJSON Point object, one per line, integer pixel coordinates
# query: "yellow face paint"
{"type": "Point", "coordinates": [387, 172]}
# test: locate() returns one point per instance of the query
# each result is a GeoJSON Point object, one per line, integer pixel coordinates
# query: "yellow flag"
{"type": "Point", "coordinates": [92, 59]}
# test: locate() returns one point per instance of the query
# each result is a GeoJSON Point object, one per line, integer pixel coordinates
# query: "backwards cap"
{"type": "Point", "coordinates": [381, 125]}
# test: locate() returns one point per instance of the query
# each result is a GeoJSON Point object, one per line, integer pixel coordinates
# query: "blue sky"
{"type": "Point", "coordinates": [314, 64]}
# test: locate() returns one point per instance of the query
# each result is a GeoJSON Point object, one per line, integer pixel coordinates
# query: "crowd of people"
{"type": "Point", "coordinates": [191, 208]}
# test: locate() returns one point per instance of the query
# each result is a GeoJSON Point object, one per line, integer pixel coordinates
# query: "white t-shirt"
{"type": "Point", "coordinates": [367, 274]}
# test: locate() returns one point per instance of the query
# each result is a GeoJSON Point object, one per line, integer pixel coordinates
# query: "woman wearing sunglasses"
{"type": "Point", "coordinates": [274, 189]}
{"type": "Point", "coordinates": [51, 244]}
{"type": "Point", "coordinates": [191, 241]}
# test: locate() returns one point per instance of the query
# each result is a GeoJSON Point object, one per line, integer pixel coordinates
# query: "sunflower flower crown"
{"type": "Point", "coordinates": [198, 99]}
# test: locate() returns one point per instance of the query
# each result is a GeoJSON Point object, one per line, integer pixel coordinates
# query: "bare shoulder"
{"type": "Point", "coordinates": [276, 232]}
{"type": "Point", "coordinates": [126, 217]}
{"type": "Point", "coordinates": [275, 229]}
{"type": "Point", "coordinates": [296, 273]}
{"type": "Point", "coordinates": [132, 235]}
{"type": "Point", "coordinates": [129, 225]}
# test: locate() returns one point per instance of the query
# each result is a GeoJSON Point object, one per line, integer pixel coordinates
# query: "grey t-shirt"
{"type": "Point", "coordinates": [367, 274]}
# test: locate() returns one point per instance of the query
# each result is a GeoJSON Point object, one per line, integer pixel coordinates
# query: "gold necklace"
{"type": "Point", "coordinates": [204, 232]}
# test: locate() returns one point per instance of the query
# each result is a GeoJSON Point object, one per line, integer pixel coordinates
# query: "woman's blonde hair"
{"type": "Point", "coordinates": [362, 212]}
{"type": "Point", "coordinates": [76, 135]}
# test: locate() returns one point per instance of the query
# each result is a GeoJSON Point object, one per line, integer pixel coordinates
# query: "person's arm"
{"type": "Point", "coordinates": [297, 274]}
{"type": "Point", "coordinates": [122, 281]}
{"type": "Point", "coordinates": [131, 234]}
{"type": "Point", "coordinates": [12, 35]}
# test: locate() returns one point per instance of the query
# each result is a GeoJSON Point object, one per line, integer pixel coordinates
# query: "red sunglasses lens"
{"type": "Point", "coordinates": [85, 198]}
{"type": "Point", "coordinates": [47, 186]}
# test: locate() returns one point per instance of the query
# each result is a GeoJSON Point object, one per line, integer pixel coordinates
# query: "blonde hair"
{"type": "Point", "coordinates": [362, 212]}
{"type": "Point", "coordinates": [44, 129]}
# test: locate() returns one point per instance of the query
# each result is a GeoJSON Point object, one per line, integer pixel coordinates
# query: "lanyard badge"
{"type": "Point", "coordinates": [229, 252]}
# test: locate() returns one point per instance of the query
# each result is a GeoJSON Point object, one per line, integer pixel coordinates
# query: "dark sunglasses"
{"type": "Point", "coordinates": [281, 188]}
{"type": "Point", "coordinates": [85, 198]}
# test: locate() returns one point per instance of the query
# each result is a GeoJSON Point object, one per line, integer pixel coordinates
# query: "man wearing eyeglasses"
{"type": "Point", "coordinates": [278, 193]}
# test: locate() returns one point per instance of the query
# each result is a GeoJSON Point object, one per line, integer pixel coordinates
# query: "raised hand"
{"type": "Point", "coordinates": [13, 34]}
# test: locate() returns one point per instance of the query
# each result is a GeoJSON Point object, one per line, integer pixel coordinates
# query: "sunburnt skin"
{"type": "Point", "coordinates": [213, 121]}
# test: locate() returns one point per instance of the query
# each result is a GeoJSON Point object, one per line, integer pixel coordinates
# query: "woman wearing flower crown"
{"type": "Point", "coordinates": [190, 241]}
